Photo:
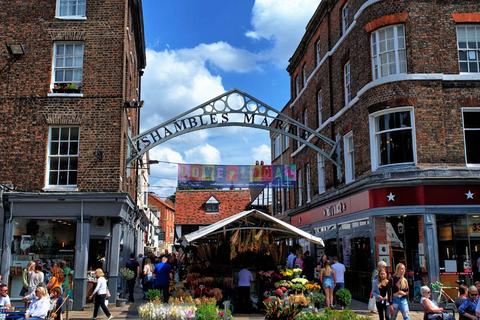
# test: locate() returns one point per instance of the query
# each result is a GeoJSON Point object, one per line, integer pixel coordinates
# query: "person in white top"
{"type": "Point", "coordinates": [34, 277]}
{"type": "Point", "coordinates": [339, 269]}
{"type": "Point", "coordinates": [245, 279]}
{"type": "Point", "coordinates": [4, 298]}
{"type": "Point", "coordinates": [39, 308]}
{"type": "Point", "coordinates": [100, 294]}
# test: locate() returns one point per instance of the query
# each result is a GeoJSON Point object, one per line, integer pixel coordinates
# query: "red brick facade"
{"type": "Point", "coordinates": [190, 205]}
{"type": "Point", "coordinates": [113, 59]}
{"type": "Point", "coordinates": [429, 86]}
{"type": "Point", "coordinates": [167, 215]}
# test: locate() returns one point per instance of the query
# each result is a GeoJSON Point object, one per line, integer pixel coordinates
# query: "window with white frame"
{"type": "Point", "coordinates": [471, 128]}
{"type": "Point", "coordinates": [299, 134]}
{"type": "Point", "coordinates": [62, 166]}
{"type": "Point", "coordinates": [468, 42]}
{"type": "Point", "coordinates": [346, 83]}
{"type": "Point", "coordinates": [392, 135]}
{"type": "Point", "coordinates": [321, 173]}
{"type": "Point", "coordinates": [388, 51]}
{"type": "Point", "coordinates": [308, 182]}
{"type": "Point", "coordinates": [71, 8]}
{"type": "Point", "coordinates": [349, 157]}
{"type": "Point", "coordinates": [318, 55]}
{"type": "Point", "coordinates": [304, 75]}
{"type": "Point", "coordinates": [67, 67]}
{"type": "Point", "coordinates": [297, 85]}
{"type": "Point", "coordinates": [320, 107]}
{"type": "Point", "coordinates": [277, 146]}
{"type": "Point", "coordinates": [345, 22]}
{"type": "Point", "coordinates": [286, 139]}
{"type": "Point", "coordinates": [212, 205]}
{"type": "Point", "coordinates": [299, 187]}
{"type": "Point", "coordinates": [305, 123]}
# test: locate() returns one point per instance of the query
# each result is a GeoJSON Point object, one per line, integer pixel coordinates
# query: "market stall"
{"type": "Point", "coordinates": [251, 239]}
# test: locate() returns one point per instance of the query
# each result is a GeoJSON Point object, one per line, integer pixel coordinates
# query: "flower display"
{"type": "Point", "coordinates": [127, 274]}
{"type": "Point", "coordinates": [161, 311]}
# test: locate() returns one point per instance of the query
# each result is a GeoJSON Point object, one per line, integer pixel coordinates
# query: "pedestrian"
{"type": "Point", "coordinates": [462, 295]}
{"type": "Point", "coordinates": [163, 273]}
{"type": "Point", "coordinates": [56, 302]}
{"type": "Point", "coordinates": [299, 262]}
{"type": "Point", "coordinates": [381, 289]}
{"type": "Point", "coordinates": [133, 265]}
{"type": "Point", "coordinates": [400, 291]}
{"type": "Point", "coordinates": [100, 294]}
{"type": "Point", "coordinates": [35, 278]}
{"type": "Point", "coordinates": [57, 278]}
{"type": "Point", "coordinates": [25, 278]}
{"type": "Point", "coordinates": [339, 269]}
{"type": "Point", "coordinates": [4, 298]}
{"type": "Point", "coordinates": [468, 307]}
{"type": "Point", "coordinates": [381, 266]}
{"type": "Point", "coordinates": [308, 266]}
{"type": "Point", "coordinates": [245, 279]}
{"type": "Point", "coordinates": [67, 284]}
{"type": "Point", "coordinates": [148, 270]}
{"type": "Point", "coordinates": [38, 309]}
{"type": "Point", "coordinates": [327, 279]}
{"type": "Point", "coordinates": [291, 259]}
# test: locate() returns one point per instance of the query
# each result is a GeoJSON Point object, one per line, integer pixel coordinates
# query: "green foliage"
{"type": "Point", "coordinates": [153, 294]}
{"type": "Point", "coordinates": [278, 309]}
{"type": "Point", "coordinates": [206, 311]}
{"type": "Point", "coordinates": [329, 314]}
{"type": "Point", "coordinates": [343, 297]}
{"type": "Point", "coordinates": [317, 298]}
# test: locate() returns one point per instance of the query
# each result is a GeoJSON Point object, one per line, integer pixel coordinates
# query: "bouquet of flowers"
{"type": "Point", "coordinates": [127, 274]}
{"type": "Point", "coordinates": [161, 311]}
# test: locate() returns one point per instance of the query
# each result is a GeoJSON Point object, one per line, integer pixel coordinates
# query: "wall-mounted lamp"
{"type": "Point", "coordinates": [133, 104]}
{"type": "Point", "coordinates": [16, 49]}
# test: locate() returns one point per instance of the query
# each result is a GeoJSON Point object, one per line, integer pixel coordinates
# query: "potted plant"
{"type": "Point", "coordinates": [343, 297]}
{"type": "Point", "coordinates": [66, 88]}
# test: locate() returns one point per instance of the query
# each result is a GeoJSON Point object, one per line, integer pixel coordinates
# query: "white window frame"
{"type": "Point", "coordinates": [70, 17]}
{"type": "Point", "coordinates": [299, 135]}
{"type": "Point", "coordinates": [349, 157]}
{"type": "Point", "coordinates": [68, 187]}
{"type": "Point", "coordinates": [277, 146]}
{"type": "Point", "coordinates": [286, 139]}
{"type": "Point", "coordinates": [379, 47]}
{"type": "Point", "coordinates": [472, 165]}
{"type": "Point", "coordinates": [320, 107]}
{"type": "Point", "coordinates": [373, 137]}
{"type": "Point", "coordinates": [212, 201]}
{"type": "Point", "coordinates": [305, 123]}
{"type": "Point", "coordinates": [469, 51]}
{"type": "Point", "coordinates": [297, 85]}
{"type": "Point", "coordinates": [308, 182]}
{"type": "Point", "coordinates": [321, 174]}
{"type": "Point", "coordinates": [299, 187]}
{"type": "Point", "coordinates": [347, 83]}
{"type": "Point", "coordinates": [54, 64]}
{"type": "Point", "coordinates": [304, 75]}
{"type": "Point", "coordinates": [345, 23]}
{"type": "Point", "coordinates": [318, 55]}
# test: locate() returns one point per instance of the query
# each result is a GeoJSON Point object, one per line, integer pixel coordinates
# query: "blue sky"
{"type": "Point", "coordinates": [196, 50]}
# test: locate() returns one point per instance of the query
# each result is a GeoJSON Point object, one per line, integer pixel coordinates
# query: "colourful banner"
{"type": "Point", "coordinates": [237, 176]}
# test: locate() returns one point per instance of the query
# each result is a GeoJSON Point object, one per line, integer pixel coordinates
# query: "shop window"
{"type": "Point", "coordinates": [63, 143]}
{"type": "Point", "coordinates": [346, 83]}
{"type": "Point", "coordinates": [321, 174]}
{"type": "Point", "coordinates": [349, 157]}
{"type": "Point", "coordinates": [71, 9]}
{"type": "Point", "coordinates": [471, 128]}
{"type": "Point", "coordinates": [392, 137]}
{"type": "Point", "coordinates": [67, 67]}
{"type": "Point", "coordinates": [468, 43]}
{"type": "Point", "coordinates": [388, 51]}
{"type": "Point", "coordinates": [212, 205]}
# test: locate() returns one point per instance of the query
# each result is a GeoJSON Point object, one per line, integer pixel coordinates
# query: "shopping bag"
{"type": "Point", "coordinates": [372, 307]}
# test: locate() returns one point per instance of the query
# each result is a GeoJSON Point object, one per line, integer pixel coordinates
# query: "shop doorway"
{"type": "Point", "coordinates": [98, 254]}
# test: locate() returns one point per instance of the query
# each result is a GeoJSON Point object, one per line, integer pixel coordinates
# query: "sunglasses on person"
{"type": "Point", "coordinates": [473, 294]}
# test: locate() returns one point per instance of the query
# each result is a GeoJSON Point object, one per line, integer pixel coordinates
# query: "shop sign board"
{"type": "Point", "coordinates": [237, 176]}
{"type": "Point", "coordinates": [335, 209]}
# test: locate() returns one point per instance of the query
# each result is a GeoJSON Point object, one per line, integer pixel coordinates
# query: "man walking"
{"type": "Point", "coordinates": [308, 266]}
{"type": "Point", "coordinates": [163, 272]}
{"type": "Point", "coordinates": [245, 279]}
{"type": "Point", "coordinates": [133, 265]}
{"type": "Point", "coordinates": [339, 269]}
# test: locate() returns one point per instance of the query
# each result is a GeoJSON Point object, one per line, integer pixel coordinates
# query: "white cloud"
{"type": "Point", "coordinates": [261, 153]}
{"type": "Point", "coordinates": [283, 22]}
{"type": "Point", "coordinates": [206, 153]}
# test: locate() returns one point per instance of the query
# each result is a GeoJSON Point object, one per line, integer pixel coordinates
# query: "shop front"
{"type": "Point", "coordinates": [87, 231]}
{"type": "Point", "coordinates": [433, 230]}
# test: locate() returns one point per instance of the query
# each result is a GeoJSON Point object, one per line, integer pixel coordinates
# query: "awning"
{"type": "Point", "coordinates": [252, 219]}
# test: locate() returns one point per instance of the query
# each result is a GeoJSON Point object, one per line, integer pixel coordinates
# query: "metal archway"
{"type": "Point", "coordinates": [233, 108]}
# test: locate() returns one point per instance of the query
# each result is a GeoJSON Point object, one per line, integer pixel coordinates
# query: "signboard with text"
{"type": "Point", "coordinates": [236, 176]}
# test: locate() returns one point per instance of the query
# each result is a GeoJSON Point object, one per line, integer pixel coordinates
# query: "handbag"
{"type": "Point", "coordinates": [372, 306]}
{"type": "Point", "coordinates": [108, 295]}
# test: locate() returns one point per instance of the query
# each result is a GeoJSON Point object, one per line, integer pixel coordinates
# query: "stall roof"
{"type": "Point", "coordinates": [260, 216]}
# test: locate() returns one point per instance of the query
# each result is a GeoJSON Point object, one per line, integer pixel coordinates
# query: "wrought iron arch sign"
{"type": "Point", "coordinates": [233, 108]}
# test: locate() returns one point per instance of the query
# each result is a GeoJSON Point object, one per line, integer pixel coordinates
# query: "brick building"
{"type": "Point", "coordinates": [165, 210]}
{"type": "Point", "coordinates": [197, 208]}
{"type": "Point", "coordinates": [70, 85]}
{"type": "Point", "coordinates": [399, 81]}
